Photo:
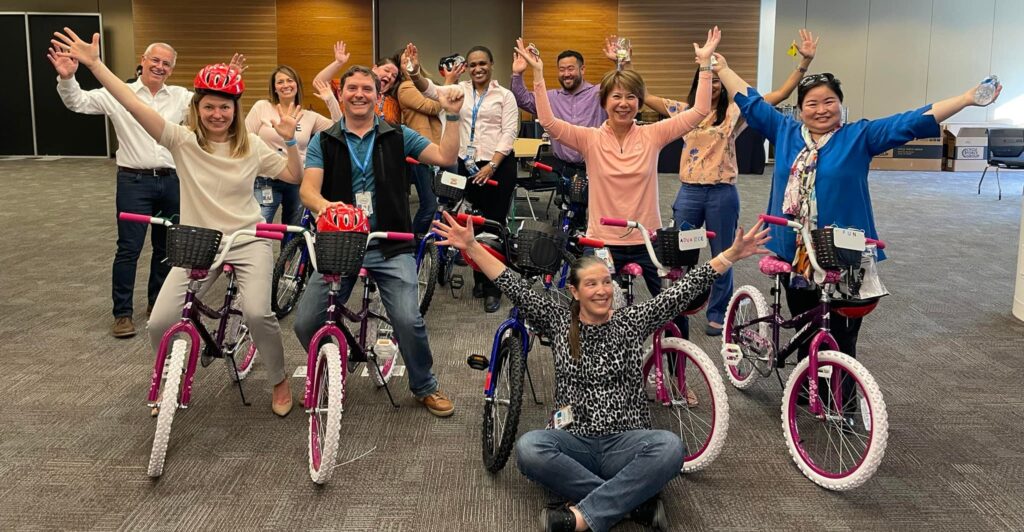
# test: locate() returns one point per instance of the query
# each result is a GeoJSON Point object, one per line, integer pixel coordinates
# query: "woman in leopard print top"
{"type": "Point", "coordinates": [608, 461]}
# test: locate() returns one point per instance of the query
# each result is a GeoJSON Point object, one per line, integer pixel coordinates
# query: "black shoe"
{"type": "Point", "coordinates": [478, 291]}
{"type": "Point", "coordinates": [558, 519]}
{"type": "Point", "coordinates": [712, 331]}
{"type": "Point", "coordinates": [492, 304]}
{"type": "Point", "coordinates": [651, 513]}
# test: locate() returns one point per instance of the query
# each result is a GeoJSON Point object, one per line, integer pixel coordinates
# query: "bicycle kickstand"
{"type": "Point", "coordinates": [532, 390]}
{"type": "Point", "coordinates": [239, 381]}
{"type": "Point", "coordinates": [387, 389]}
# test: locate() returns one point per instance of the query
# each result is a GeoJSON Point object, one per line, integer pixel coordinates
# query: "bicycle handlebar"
{"type": "Point", "coordinates": [143, 219]}
{"type": "Point", "coordinates": [589, 242]}
{"type": "Point", "coordinates": [477, 220]}
{"type": "Point", "coordinates": [878, 243]}
{"type": "Point", "coordinates": [711, 234]}
{"type": "Point", "coordinates": [411, 160]}
{"type": "Point", "coordinates": [618, 222]}
{"type": "Point", "coordinates": [272, 235]}
{"type": "Point", "coordinates": [541, 166]}
{"type": "Point", "coordinates": [778, 220]}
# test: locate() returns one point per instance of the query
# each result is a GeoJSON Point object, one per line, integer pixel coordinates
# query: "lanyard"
{"type": "Point", "coordinates": [369, 152]}
{"type": "Point", "coordinates": [380, 106]}
{"type": "Point", "coordinates": [476, 108]}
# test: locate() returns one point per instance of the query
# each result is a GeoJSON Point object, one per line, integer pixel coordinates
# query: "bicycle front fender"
{"type": "Point", "coordinates": [183, 326]}
{"type": "Point", "coordinates": [330, 330]}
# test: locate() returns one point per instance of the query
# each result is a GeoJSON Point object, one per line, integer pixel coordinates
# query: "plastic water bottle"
{"type": "Point", "coordinates": [986, 91]}
{"type": "Point", "coordinates": [385, 349]}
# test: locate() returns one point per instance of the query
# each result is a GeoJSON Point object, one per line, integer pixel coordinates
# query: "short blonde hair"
{"type": "Point", "coordinates": [627, 80]}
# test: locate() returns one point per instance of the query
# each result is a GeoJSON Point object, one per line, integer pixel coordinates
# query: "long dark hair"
{"type": "Point", "coordinates": [581, 263]}
{"type": "Point", "coordinates": [723, 99]}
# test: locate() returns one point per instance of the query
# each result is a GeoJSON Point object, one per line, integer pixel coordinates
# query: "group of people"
{"type": "Point", "coordinates": [232, 172]}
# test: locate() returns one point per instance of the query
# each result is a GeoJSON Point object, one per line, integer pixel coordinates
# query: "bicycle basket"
{"type": "Point", "coordinates": [443, 190]}
{"type": "Point", "coordinates": [829, 256]}
{"type": "Point", "coordinates": [193, 248]}
{"type": "Point", "coordinates": [339, 252]}
{"type": "Point", "coordinates": [578, 189]}
{"type": "Point", "coordinates": [666, 248]}
{"type": "Point", "coordinates": [539, 247]}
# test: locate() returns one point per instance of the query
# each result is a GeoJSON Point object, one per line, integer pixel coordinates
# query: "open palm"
{"type": "Point", "coordinates": [704, 52]}
{"type": "Point", "coordinates": [72, 47]}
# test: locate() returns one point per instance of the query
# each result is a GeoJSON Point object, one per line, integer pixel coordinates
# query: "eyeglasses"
{"type": "Point", "coordinates": [818, 78]}
{"type": "Point", "coordinates": [159, 62]}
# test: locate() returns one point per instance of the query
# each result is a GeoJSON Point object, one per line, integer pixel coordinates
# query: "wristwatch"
{"type": "Point", "coordinates": [705, 68]}
{"type": "Point", "coordinates": [492, 165]}
{"type": "Point", "coordinates": [450, 117]}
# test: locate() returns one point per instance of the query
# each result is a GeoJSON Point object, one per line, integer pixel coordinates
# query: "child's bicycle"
{"type": "Point", "coordinates": [189, 341]}
{"type": "Point", "coordinates": [334, 351]}
{"type": "Point", "coordinates": [833, 415]}
{"type": "Point", "coordinates": [680, 376]}
{"type": "Point", "coordinates": [532, 254]}
{"type": "Point", "coordinates": [572, 217]}
{"type": "Point", "coordinates": [291, 271]}
{"type": "Point", "coordinates": [435, 264]}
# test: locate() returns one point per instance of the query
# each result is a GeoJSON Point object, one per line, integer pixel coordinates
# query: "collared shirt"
{"type": "Point", "coordinates": [582, 108]}
{"type": "Point", "coordinates": [136, 148]}
{"type": "Point", "coordinates": [359, 148]}
{"type": "Point", "coordinates": [497, 121]}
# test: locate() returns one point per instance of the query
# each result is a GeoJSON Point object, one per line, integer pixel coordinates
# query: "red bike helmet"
{"type": "Point", "coordinates": [219, 78]}
{"type": "Point", "coordinates": [343, 217]}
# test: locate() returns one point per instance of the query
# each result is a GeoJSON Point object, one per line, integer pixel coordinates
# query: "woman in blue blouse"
{"type": "Point", "coordinates": [828, 161]}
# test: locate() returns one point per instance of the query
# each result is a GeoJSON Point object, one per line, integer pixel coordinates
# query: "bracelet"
{"type": "Point", "coordinates": [802, 70]}
{"type": "Point", "coordinates": [705, 68]}
{"type": "Point", "coordinates": [451, 117]}
{"type": "Point", "coordinates": [290, 143]}
{"type": "Point", "coordinates": [726, 262]}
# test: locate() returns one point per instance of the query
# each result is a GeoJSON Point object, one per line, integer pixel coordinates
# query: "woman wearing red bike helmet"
{"type": "Point", "coordinates": [217, 161]}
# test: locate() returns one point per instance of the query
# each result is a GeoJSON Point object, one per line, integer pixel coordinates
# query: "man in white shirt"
{"type": "Point", "coordinates": [147, 182]}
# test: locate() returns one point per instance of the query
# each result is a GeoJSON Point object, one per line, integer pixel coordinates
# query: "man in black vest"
{"type": "Point", "coordinates": [361, 161]}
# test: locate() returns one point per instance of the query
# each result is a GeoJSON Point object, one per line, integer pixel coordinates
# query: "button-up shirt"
{"type": "Point", "coordinates": [580, 108]}
{"type": "Point", "coordinates": [497, 121]}
{"type": "Point", "coordinates": [136, 148]}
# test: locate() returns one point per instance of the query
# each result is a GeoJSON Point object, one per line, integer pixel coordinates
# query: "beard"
{"type": "Point", "coordinates": [570, 84]}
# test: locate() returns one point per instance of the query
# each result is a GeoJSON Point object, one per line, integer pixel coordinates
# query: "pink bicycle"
{"type": "Point", "coordinates": [170, 389]}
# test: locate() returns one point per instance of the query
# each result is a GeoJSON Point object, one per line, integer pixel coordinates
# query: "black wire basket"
{"type": "Point", "coordinates": [578, 190]}
{"type": "Point", "coordinates": [444, 191]}
{"type": "Point", "coordinates": [539, 247]}
{"type": "Point", "coordinates": [339, 252]}
{"type": "Point", "coordinates": [193, 248]}
{"type": "Point", "coordinates": [828, 255]}
{"type": "Point", "coordinates": [666, 247]}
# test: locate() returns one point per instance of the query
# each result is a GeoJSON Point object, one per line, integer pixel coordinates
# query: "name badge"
{"type": "Point", "coordinates": [266, 195]}
{"type": "Point", "coordinates": [848, 239]}
{"type": "Point", "coordinates": [693, 239]}
{"type": "Point", "coordinates": [606, 256]}
{"type": "Point", "coordinates": [365, 201]}
{"type": "Point", "coordinates": [562, 417]}
{"type": "Point", "coordinates": [453, 180]}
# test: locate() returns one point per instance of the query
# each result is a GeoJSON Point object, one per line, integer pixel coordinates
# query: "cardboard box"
{"type": "Point", "coordinates": [923, 155]}
{"type": "Point", "coordinates": [966, 148]}
{"type": "Point", "coordinates": [963, 165]}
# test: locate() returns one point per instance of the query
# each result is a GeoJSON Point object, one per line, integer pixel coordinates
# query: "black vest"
{"type": "Point", "coordinates": [391, 184]}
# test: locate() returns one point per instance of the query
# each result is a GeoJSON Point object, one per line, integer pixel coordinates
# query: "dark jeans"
{"type": "Point", "coordinates": [493, 204]}
{"type": "Point", "coordinates": [285, 194]}
{"type": "Point", "coordinates": [150, 195]}
{"type": "Point", "coordinates": [717, 208]}
{"type": "Point", "coordinates": [422, 177]}
{"type": "Point", "coordinates": [623, 255]}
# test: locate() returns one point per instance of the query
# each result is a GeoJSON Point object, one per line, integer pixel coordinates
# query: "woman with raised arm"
{"type": "Point", "coordinates": [217, 162]}
{"type": "Point", "coordinates": [707, 170]}
{"type": "Point", "coordinates": [821, 170]}
{"type": "Point", "coordinates": [621, 156]}
{"type": "Point", "coordinates": [607, 462]}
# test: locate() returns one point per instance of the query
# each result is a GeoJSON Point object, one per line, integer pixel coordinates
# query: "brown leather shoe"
{"type": "Point", "coordinates": [438, 404]}
{"type": "Point", "coordinates": [123, 327]}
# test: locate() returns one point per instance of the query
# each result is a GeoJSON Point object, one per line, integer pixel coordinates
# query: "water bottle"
{"type": "Point", "coordinates": [986, 91]}
{"type": "Point", "coordinates": [385, 349]}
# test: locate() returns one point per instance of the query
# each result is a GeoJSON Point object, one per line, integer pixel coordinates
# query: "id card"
{"type": "Point", "coordinates": [364, 201]}
{"type": "Point", "coordinates": [562, 418]}
{"type": "Point", "coordinates": [470, 154]}
{"type": "Point", "coordinates": [266, 195]}
{"type": "Point", "coordinates": [606, 256]}
{"type": "Point", "coordinates": [692, 239]}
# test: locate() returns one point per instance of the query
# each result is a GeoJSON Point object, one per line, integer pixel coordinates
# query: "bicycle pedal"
{"type": "Point", "coordinates": [732, 354]}
{"type": "Point", "coordinates": [457, 281]}
{"type": "Point", "coordinates": [825, 372]}
{"type": "Point", "coordinates": [544, 340]}
{"type": "Point", "coordinates": [478, 362]}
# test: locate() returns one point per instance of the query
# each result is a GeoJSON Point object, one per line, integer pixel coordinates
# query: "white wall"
{"type": "Point", "coordinates": [895, 55]}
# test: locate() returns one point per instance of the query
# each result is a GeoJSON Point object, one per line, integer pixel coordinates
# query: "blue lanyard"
{"type": "Point", "coordinates": [476, 108]}
{"type": "Point", "coordinates": [369, 152]}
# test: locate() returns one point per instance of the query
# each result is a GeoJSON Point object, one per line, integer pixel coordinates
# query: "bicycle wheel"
{"type": "Point", "coordinates": [840, 449]}
{"type": "Point", "coordinates": [290, 275]}
{"type": "Point", "coordinates": [756, 354]}
{"type": "Point", "coordinates": [379, 329]}
{"type": "Point", "coordinates": [239, 345]}
{"type": "Point", "coordinates": [328, 389]}
{"type": "Point", "coordinates": [697, 408]}
{"type": "Point", "coordinates": [168, 404]}
{"type": "Point", "coordinates": [426, 276]}
{"type": "Point", "coordinates": [501, 412]}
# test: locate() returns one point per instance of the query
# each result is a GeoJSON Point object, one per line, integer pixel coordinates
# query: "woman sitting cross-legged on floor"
{"type": "Point", "coordinates": [607, 462]}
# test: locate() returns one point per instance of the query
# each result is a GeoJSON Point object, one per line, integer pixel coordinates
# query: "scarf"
{"type": "Point", "coordinates": [798, 200]}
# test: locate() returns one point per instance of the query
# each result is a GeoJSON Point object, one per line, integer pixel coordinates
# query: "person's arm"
{"type": "Point", "coordinates": [411, 98]}
{"type": "Point", "coordinates": [71, 93]}
{"type": "Point", "coordinates": [944, 109]}
{"type": "Point", "coordinates": [332, 69]}
{"type": "Point", "coordinates": [509, 128]}
{"type": "Point", "coordinates": [524, 99]}
{"type": "Point", "coordinates": [447, 152]}
{"type": "Point", "coordinates": [285, 127]}
{"type": "Point", "coordinates": [807, 49]}
{"type": "Point", "coordinates": [88, 54]}
{"type": "Point", "coordinates": [324, 92]}
{"type": "Point", "coordinates": [657, 104]}
{"type": "Point", "coordinates": [758, 113]}
{"type": "Point", "coordinates": [570, 135]}
{"type": "Point", "coordinates": [668, 130]}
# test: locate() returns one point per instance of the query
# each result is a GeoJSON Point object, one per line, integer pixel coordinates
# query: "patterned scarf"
{"type": "Point", "coordinates": [799, 200]}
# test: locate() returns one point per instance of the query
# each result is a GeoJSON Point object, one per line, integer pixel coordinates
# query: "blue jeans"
{"type": "Point", "coordinates": [717, 207]}
{"type": "Point", "coordinates": [623, 255]}
{"type": "Point", "coordinates": [422, 177]}
{"type": "Point", "coordinates": [285, 194]}
{"type": "Point", "coordinates": [396, 278]}
{"type": "Point", "coordinates": [605, 476]}
{"type": "Point", "coordinates": [141, 194]}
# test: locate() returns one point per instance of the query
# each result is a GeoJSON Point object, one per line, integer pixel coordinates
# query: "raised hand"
{"type": "Point", "coordinates": [531, 59]}
{"type": "Point", "coordinates": [323, 90]}
{"type": "Point", "coordinates": [238, 63]}
{"type": "Point", "coordinates": [747, 244]}
{"type": "Point", "coordinates": [69, 45]}
{"type": "Point", "coordinates": [451, 100]}
{"type": "Point", "coordinates": [65, 66]}
{"type": "Point", "coordinates": [808, 44]}
{"type": "Point", "coordinates": [518, 64]}
{"type": "Point", "coordinates": [703, 53]}
{"type": "Point", "coordinates": [458, 236]}
{"type": "Point", "coordinates": [285, 127]}
{"type": "Point", "coordinates": [451, 77]}
{"type": "Point", "coordinates": [973, 101]}
{"type": "Point", "coordinates": [341, 54]}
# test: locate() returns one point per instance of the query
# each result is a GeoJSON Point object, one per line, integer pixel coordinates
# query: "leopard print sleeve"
{"type": "Point", "coordinates": [655, 312]}
{"type": "Point", "coordinates": [540, 311]}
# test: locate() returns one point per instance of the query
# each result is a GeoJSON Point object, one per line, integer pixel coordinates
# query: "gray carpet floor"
{"type": "Point", "coordinates": [75, 435]}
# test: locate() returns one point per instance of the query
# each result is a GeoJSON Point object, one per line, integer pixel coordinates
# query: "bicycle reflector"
{"type": "Point", "coordinates": [479, 362]}
{"type": "Point", "coordinates": [343, 217]}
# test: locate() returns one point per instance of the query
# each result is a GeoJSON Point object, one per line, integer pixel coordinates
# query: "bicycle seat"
{"type": "Point", "coordinates": [774, 266]}
{"type": "Point", "coordinates": [228, 268]}
{"type": "Point", "coordinates": [363, 272]}
{"type": "Point", "coordinates": [632, 269]}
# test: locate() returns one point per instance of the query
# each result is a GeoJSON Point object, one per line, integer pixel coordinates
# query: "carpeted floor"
{"type": "Point", "coordinates": [75, 435]}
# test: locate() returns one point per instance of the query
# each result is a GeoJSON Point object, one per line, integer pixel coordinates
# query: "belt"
{"type": "Point", "coordinates": [148, 171]}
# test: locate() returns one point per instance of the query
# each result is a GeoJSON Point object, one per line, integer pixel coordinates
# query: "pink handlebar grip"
{"type": "Point", "coordinates": [280, 228]}
{"type": "Point", "coordinates": [272, 235]}
{"type": "Point", "coordinates": [617, 222]}
{"type": "Point", "coordinates": [542, 166]}
{"type": "Point", "coordinates": [477, 220]}
{"type": "Point", "coordinates": [410, 160]}
{"type": "Point", "coordinates": [590, 242]}
{"type": "Point", "coordinates": [711, 234]}
{"type": "Point", "coordinates": [878, 243]}
{"type": "Point", "coordinates": [132, 217]}
{"type": "Point", "coordinates": [400, 236]}
{"type": "Point", "coordinates": [774, 220]}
